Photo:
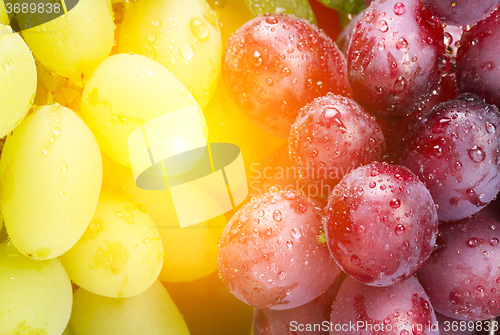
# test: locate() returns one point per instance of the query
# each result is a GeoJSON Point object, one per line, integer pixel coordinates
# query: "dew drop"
{"type": "Point", "coordinates": [271, 20]}
{"type": "Point", "coordinates": [395, 203]}
{"type": "Point", "coordinates": [114, 120]}
{"type": "Point", "coordinates": [56, 131]}
{"type": "Point", "coordinates": [402, 43]}
{"type": "Point", "coordinates": [277, 216]}
{"type": "Point", "coordinates": [477, 154]}
{"type": "Point", "coordinates": [400, 229]}
{"type": "Point", "coordinates": [45, 150]}
{"type": "Point", "coordinates": [494, 241]}
{"type": "Point", "coordinates": [199, 29]}
{"type": "Point", "coordinates": [383, 26]}
{"type": "Point", "coordinates": [372, 184]}
{"type": "Point", "coordinates": [399, 8]}
{"type": "Point", "coordinates": [295, 233]}
{"type": "Point", "coordinates": [355, 260]}
{"type": "Point", "coordinates": [472, 242]}
{"type": "Point", "coordinates": [187, 51]}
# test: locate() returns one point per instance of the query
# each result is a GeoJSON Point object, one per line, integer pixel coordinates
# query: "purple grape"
{"type": "Point", "coordinates": [478, 69]}
{"type": "Point", "coordinates": [455, 151]}
{"type": "Point", "coordinates": [401, 309]}
{"type": "Point", "coordinates": [462, 277]}
{"type": "Point", "coordinates": [380, 224]}
{"type": "Point", "coordinates": [396, 57]}
{"type": "Point", "coordinates": [460, 12]}
{"type": "Point", "coordinates": [346, 33]}
{"type": "Point", "coordinates": [295, 320]}
{"type": "Point", "coordinates": [272, 252]}
{"type": "Point", "coordinates": [331, 136]}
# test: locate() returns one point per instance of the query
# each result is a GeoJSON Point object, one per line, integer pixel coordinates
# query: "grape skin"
{"type": "Point", "coordinates": [380, 224]}
{"type": "Point", "coordinates": [333, 134]}
{"type": "Point", "coordinates": [455, 151]}
{"type": "Point", "coordinates": [120, 254]}
{"type": "Point", "coordinates": [461, 12]}
{"type": "Point", "coordinates": [152, 312]}
{"type": "Point", "coordinates": [402, 305]}
{"type": "Point", "coordinates": [467, 257]}
{"type": "Point", "coordinates": [271, 255]}
{"type": "Point", "coordinates": [50, 171]}
{"type": "Point", "coordinates": [266, 70]}
{"type": "Point", "coordinates": [35, 296]}
{"type": "Point", "coordinates": [393, 58]}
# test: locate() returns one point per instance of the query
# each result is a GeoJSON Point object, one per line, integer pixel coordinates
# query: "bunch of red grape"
{"type": "Point", "coordinates": [398, 132]}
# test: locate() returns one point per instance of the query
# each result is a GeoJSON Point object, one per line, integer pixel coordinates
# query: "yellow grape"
{"type": "Point", "coordinates": [120, 254]}
{"type": "Point", "coordinates": [125, 92]}
{"type": "Point", "coordinates": [183, 36]}
{"type": "Point", "coordinates": [50, 174]}
{"type": "Point", "coordinates": [191, 252]}
{"type": "Point", "coordinates": [35, 296]}
{"type": "Point", "coordinates": [4, 17]}
{"type": "Point", "coordinates": [74, 44]}
{"type": "Point", "coordinates": [18, 73]}
{"type": "Point", "coordinates": [150, 313]}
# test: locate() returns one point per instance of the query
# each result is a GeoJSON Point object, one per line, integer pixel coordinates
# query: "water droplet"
{"type": "Point", "coordinates": [490, 127]}
{"type": "Point", "coordinates": [56, 131]}
{"type": "Point", "coordinates": [271, 20]}
{"type": "Point", "coordinates": [399, 8]}
{"type": "Point", "coordinates": [331, 116]}
{"type": "Point", "coordinates": [282, 275]}
{"type": "Point", "coordinates": [187, 51]}
{"type": "Point", "coordinates": [395, 203]}
{"type": "Point", "coordinates": [494, 241]}
{"type": "Point", "coordinates": [400, 229]}
{"type": "Point", "coordinates": [277, 215]}
{"type": "Point", "coordinates": [441, 124]}
{"type": "Point", "coordinates": [295, 233]}
{"type": "Point", "coordinates": [256, 232]}
{"type": "Point", "coordinates": [152, 37]}
{"type": "Point", "coordinates": [64, 167]}
{"type": "Point", "coordinates": [372, 184]}
{"type": "Point", "coordinates": [355, 260]}
{"type": "Point", "coordinates": [45, 150]}
{"type": "Point", "coordinates": [289, 244]}
{"type": "Point", "coordinates": [402, 43]}
{"type": "Point", "coordinates": [443, 63]}
{"type": "Point", "coordinates": [477, 154]}
{"type": "Point", "coordinates": [114, 120]}
{"type": "Point", "coordinates": [381, 45]}
{"type": "Point", "coordinates": [400, 84]}
{"type": "Point", "coordinates": [454, 201]}
{"type": "Point", "coordinates": [285, 72]}
{"type": "Point", "coordinates": [156, 23]}
{"type": "Point", "coordinates": [472, 242]}
{"type": "Point", "coordinates": [199, 29]}
{"type": "Point", "coordinates": [147, 240]}
{"type": "Point", "coordinates": [261, 212]}
{"type": "Point", "coordinates": [383, 26]}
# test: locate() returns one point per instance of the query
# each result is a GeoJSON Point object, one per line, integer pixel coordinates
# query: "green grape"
{"type": "Point", "coordinates": [35, 296]}
{"type": "Point", "coordinates": [191, 252]}
{"type": "Point", "coordinates": [345, 6]}
{"type": "Point", "coordinates": [299, 8]}
{"type": "Point", "coordinates": [18, 73]}
{"type": "Point", "coordinates": [150, 313]}
{"type": "Point", "coordinates": [183, 36]}
{"type": "Point", "coordinates": [74, 44]}
{"type": "Point", "coordinates": [50, 174]}
{"type": "Point", "coordinates": [124, 93]}
{"type": "Point", "coordinates": [120, 254]}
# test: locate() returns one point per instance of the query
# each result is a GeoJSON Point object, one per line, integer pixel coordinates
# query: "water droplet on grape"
{"type": "Point", "coordinates": [477, 154]}
{"type": "Point", "coordinates": [295, 233]}
{"type": "Point", "coordinates": [400, 229]}
{"type": "Point", "coordinates": [355, 260]}
{"type": "Point", "coordinates": [271, 20]}
{"type": "Point", "coordinates": [187, 51]}
{"type": "Point", "coordinates": [199, 29]}
{"type": "Point", "coordinates": [395, 203]}
{"type": "Point", "coordinates": [399, 8]}
{"type": "Point", "coordinates": [383, 26]}
{"type": "Point", "coordinates": [400, 84]}
{"type": "Point", "coordinates": [472, 242]}
{"type": "Point", "coordinates": [156, 23]}
{"type": "Point", "coordinates": [277, 216]}
{"type": "Point", "coordinates": [490, 128]}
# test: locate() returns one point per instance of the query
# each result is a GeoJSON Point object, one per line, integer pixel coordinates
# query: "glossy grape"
{"type": "Point", "coordinates": [462, 276]}
{"type": "Point", "coordinates": [477, 60]}
{"type": "Point", "coordinates": [396, 57]}
{"type": "Point", "coordinates": [401, 309]}
{"type": "Point", "coordinates": [380, 224]}
{"type": "Point", "coordinates": [280, 63]}
{"type": "Point", "coordinates": [272, 322]}
{"type": "Point", "coordinates": [272, 253]}
{"type": "Point", "coordinates": [460, 12]}
{"type": "Point", "coordinates": [332, 136]}
{"type": "Point", "coordinates": [455, 151]}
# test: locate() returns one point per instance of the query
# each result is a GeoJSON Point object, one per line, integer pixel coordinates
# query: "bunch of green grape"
{"type": "Point", "coordinates": [83, 249]}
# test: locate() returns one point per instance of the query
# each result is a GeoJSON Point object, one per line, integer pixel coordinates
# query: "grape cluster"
{"type": "Point", "coordinates": [409, 218]}
{"type": "Point", "coordinates": [373, 168]}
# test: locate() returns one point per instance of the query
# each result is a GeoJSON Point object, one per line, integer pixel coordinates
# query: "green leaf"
{"type": "Point", "coordinates": [345, 6]}
{"type": "Point", "coordinates": [299, 8]}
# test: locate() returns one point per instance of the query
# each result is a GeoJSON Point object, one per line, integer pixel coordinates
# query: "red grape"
{"type": "Point", "coordinates": [380, 224]}
{"type": "Point", "coordinates": [462, 277]}
{"type": "Point", "coordinates": [401, 309]}
{"type": "Point", "coordinates": [477, 59]}
{"type": "Point", "coordinates": [296, 320]}
{"type": "Point", "coordinates": [331, 136]}
{"type": "Point", "coordinates": [272, 253]}
{"type": "Point", "coordinates": [274, 65]}
{"type": "Point", "coordinates": [461, 12]}
{"type": "Point", "coordinates": [396, 57]}
{"type": "Point", "coordinates": [455, 151]}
